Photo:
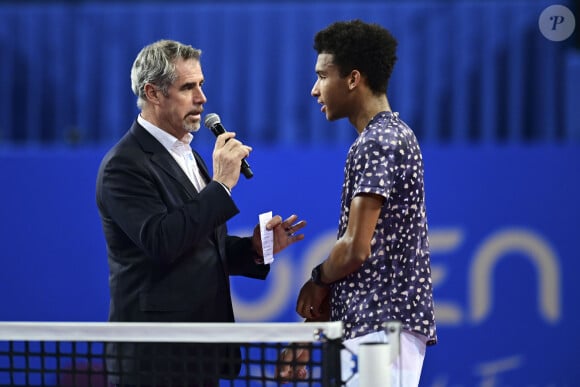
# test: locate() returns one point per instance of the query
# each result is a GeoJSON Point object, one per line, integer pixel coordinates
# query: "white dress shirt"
{"type": "Point", "coordinates": [179, 149]}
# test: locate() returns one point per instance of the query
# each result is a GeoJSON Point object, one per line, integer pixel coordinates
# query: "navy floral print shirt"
{"type": "Point", "coordinates": [394, 283]}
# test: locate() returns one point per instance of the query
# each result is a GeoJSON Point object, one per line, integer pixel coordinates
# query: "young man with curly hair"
{"type": "Point", "coordinates": [379, 268]}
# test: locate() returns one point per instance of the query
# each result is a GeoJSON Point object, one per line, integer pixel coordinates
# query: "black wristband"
{"type": "Point", "coordinates": [316, 276]}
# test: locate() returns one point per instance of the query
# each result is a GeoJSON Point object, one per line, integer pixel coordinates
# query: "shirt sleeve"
{"type": "Point", "coordinates": [377, 163]}
{"type": "Point", "coordinates": [228, 190]}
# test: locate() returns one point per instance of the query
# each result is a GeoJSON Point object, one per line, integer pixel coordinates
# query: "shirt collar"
{"type": "Point", "coordinates": [168, 141]}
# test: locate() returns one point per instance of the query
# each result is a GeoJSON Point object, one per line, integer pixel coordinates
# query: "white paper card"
{"type": "Point", "coordinates": [267, 238]}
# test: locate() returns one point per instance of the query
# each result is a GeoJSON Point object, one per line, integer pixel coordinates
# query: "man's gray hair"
{"type": "Point", "coordinates": [155, 64]}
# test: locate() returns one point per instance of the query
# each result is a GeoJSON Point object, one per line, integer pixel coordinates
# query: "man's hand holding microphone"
{"type": "Point", "coordinates": [229, 154]}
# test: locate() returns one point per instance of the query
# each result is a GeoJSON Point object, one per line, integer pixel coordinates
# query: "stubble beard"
{"type": "Point", "coordinates": [191, 128]}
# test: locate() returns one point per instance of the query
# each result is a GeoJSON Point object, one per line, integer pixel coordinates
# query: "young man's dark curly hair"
{"type": "Point", "coordinates": [356, 45]}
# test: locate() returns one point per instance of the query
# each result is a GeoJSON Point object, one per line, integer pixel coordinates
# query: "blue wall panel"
{"type": "Point", "coordinates": [467, 71]}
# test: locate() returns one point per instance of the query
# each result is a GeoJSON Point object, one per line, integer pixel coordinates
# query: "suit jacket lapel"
{"type": "Point", "coordinates": [216, 235]}
{"type": "Point", "coordinates": [161, 157]}
{"type": "Point", "coordinates": [202, 167]}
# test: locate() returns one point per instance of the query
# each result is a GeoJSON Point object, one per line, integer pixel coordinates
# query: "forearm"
{"type": "Point", "coordinates": [346, 257]}
{"type": "Point", "coordinates": [354, 246]}
{"type": "Point", "coordinates": [163, 225]}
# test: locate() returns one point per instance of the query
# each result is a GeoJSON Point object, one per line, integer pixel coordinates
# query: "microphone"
{"type": "Point", "coordinates": [213, 122]}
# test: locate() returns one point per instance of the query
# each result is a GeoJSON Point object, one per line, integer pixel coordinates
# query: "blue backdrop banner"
{"type": "Point", "coordinates": [503, 234]}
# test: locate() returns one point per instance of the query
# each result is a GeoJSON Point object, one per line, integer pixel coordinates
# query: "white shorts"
{"type": "Point", "coordinates": [405, 370]}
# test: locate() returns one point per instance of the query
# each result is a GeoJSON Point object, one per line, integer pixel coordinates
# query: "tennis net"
{"type": "Point", "coordinates": [165, 354]}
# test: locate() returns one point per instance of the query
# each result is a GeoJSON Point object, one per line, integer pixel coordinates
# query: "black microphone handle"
{"type": "Point", "coordinates": [218, 129]}
{"type": "Point", "coordinates": [245, 168]}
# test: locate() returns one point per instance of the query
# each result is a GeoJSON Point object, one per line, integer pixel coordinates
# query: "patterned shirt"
{"type": "Point", "coordinates": [394, 283]}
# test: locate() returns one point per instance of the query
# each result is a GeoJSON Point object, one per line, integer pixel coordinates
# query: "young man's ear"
{"type": "Point", "coordinates": [354, 79]}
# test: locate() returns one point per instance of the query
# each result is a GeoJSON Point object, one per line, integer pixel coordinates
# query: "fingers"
{"type": "Point", "coordinates": [289, 225]}
{"type": "Point", "coordinates": [305, 302]}
{"type": "Point", "coordinates": [283, 369]}
{"type": "Point", "coordinates": [284, 373]}
{"type": "Point", "coordinates": [277, 220]}
{"type": "Point", "coordinates": [299, 372]}
{"type": "Point", "coordinates": [274, 222]}
{"type": "Point", "coordinates": [236, 149]}
{"type": "Point", "coordinates": [288, 222]}
{"type": "Point", "coordinates": [223, 138]}
{"type": "Point", "coordinates": [226, 140]}
{"type": "Point", "coordinates": [306, 311]}
{"type": "Point", "coordinates": [293, 227]}
{"type": "Point", "coordinates": [226, 143]}
{"type": "Point", "coordinates": [292, 364]}
{"type": "Point", "coordinates": [311, 301]}
{"type": "Point", "coordinates": [304, 308]}
{"type": "Point", "coordinates": [227, 158]}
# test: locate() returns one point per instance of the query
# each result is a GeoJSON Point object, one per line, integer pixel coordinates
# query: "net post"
{"type": "Point", "coordinates": [331, 372]}
{"type": "Point", "coordinates": [393, 332]}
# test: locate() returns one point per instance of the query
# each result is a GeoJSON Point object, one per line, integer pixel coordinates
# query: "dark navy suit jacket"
{"type": "Point", "coordinates": [169, 254]}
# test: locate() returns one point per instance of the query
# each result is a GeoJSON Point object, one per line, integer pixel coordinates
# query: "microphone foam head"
{"type": "Point", "coordinates": [211, 119]}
